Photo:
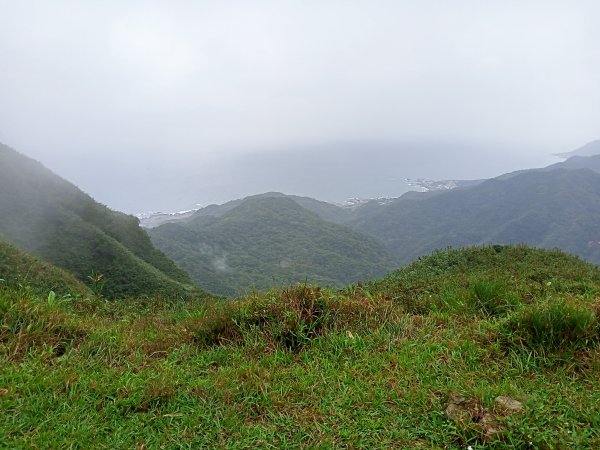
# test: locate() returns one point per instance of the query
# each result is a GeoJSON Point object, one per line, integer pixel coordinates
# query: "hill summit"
{"type": "Point", "coordinates": [268, 241]}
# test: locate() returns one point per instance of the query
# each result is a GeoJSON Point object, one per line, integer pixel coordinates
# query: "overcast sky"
{"type": "Point", "coordinates": [147, 105]}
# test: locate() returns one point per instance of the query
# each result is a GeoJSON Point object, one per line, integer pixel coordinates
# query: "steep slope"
{"type": "Point", "coordinates": [19, 269]}
{"type": "Point", "coordinates": [51, 218]}
{"type": "Point", "coordinates": [267, 241]}
{"type": "Point", "coordinates": [559, 208]}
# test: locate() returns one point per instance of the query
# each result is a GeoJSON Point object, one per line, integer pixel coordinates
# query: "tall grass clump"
{"type": "Point", "coordinates": [492, 298]}
{"type": "Point", "coordinates": [303, 313]}
{"type": "Point", "coordinates": [290, 318]}
{"type": "Point", "coordinates": [554, 326]}
{"type": "Point", "coordinates": [27, 322]}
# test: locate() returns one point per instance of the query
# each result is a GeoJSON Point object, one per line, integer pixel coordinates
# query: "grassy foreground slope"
{"type": "Point", "coordinates": [489, 347]}
{"type": "Point", "coordinates": [52, 219]}
{"type": "Point", "coordinates": [268, 241]}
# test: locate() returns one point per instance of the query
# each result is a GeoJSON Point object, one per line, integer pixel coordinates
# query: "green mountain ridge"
{"type": "Point", "coordinates": [268, 241]}
{"type": "Point", "coordinates": [274, 239]}
{"type": "Point", "coordinates": [51, 218]}
{"type": "Point", "coordinates": [557, 208]}
{"type": "Point", "coordinates": [325, 210]}
{"type": "Point", "coordinates": [591, 162]}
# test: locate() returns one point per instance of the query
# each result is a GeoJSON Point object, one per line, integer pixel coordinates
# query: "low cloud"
{"type": "Point", "coordinates": [152, 90]}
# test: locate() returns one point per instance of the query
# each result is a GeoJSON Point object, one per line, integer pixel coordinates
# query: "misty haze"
{"type": "Point", "coordinates": [332, 224]}
{"type": "Point", "coordinates": [181, 104]}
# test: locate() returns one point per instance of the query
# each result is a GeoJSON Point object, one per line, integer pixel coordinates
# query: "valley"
{"type": "Point", "coordinates": [552, 207]}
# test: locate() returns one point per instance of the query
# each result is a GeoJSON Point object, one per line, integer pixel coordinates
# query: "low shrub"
{"type": "Point", "coordinates": [303, 314]}
{"type": "Point", "coordinates": [290, 318]}
{"type": "Point", "coordinates": [219, 324]}
{"type": "Point", "coordinates": [362, 311]}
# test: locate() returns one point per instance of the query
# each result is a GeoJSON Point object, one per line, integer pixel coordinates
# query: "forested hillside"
{"type": "Point", "coordinates": [53, 219]}
{"type": "Point", "coordinates": [269, 241]}
{"type": "Point", "coordinates": [557, 208]}
{"type": "Point", "coordinates": [23, 271]}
